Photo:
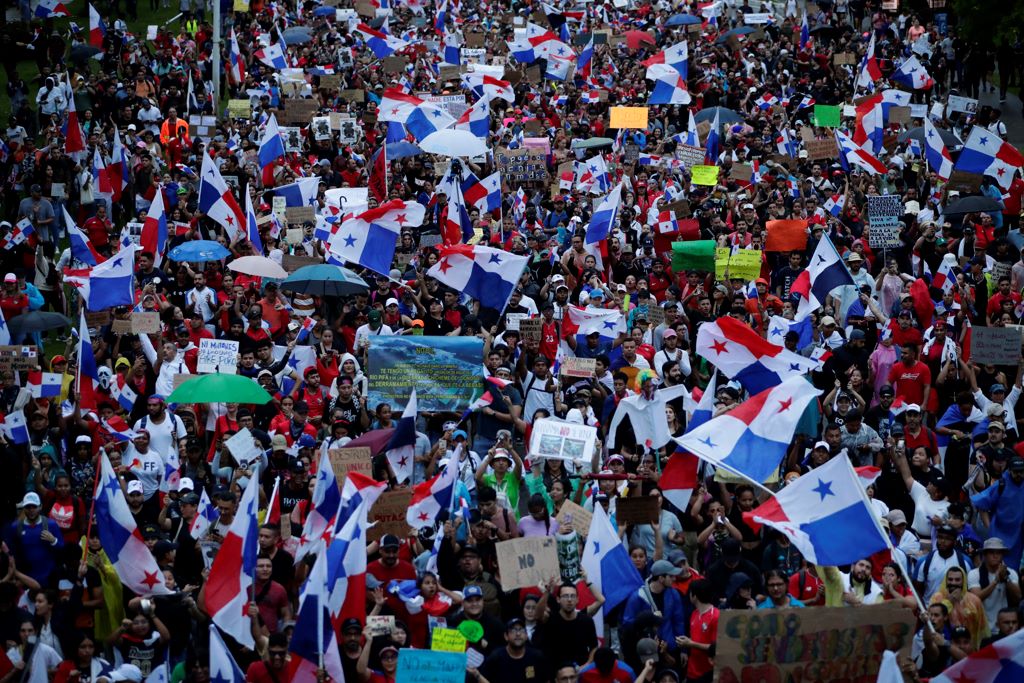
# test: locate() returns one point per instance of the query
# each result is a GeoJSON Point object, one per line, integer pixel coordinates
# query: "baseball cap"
{"type": "Point", "coordinates": [186, 484]}
{"type": "Point", "coordinates": [1017, 463]}
{"type": "Point", "coordinates": [390, 541]}
{"type": "Point", "coordinates": [472, 592]}
{"type": "Point", "coordinates": [31, 498]}
{"type": "Point", "coordinates": [669, 333]}
{"type": "Point", "coordinates": [828, 320]}
{"type": "Point", "coordinates": [278, 442]}
{"type": "Point", "coordinates": [390, 302]}
{"type": "Point", "coordinates": [134, 486]}
{"type": "Point", "coordinates": [997, 387]}
{"type": "Point", "coordinates": [822, 444]}
{"type": "Point", "coordinates": [513, 622]}
{"type": "Point", "coordinates": [665, 568]}
{"type": "Point", "coordinates": [946, 530]}
{"type": "Point", "coordinates": [896, 517]}
{"type": "Point", "coordinates": [351, 624]}
{"type": "Point", "coordinates": [887, 390]}
{"type": "Point", "coordinates": [647, 650]}
{"type": "Point", "coordinates": [912, 408]}
{"type": "Point", "coordinates": [190, 499]}
{"type": "Point", "coordinates": [162, 547]}
{"type": "Point", "coordinates": [10, 277]}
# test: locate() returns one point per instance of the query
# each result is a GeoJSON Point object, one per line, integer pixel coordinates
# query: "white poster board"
{"type": "Point", "coordinates": [218, 355]}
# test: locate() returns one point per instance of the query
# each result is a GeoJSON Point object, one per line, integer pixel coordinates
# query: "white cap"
{"type": "Point", "coordinates": [391, 301]}
{"type": "Point", "coordinates": [822, 444]}
{"type": "Point", "coordinates": [135, 486]}
{"type": "Point", "coordinates": [186, 484]}
{"type": "Point", "coordinates": [31, 498]}
{"type": "Point", "coordinates": [557, 278]}
{"type": "Point", "coordinates": [912, 408]}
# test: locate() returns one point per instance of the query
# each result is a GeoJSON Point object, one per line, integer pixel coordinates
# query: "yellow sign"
{"type": "Point", "coordinates": [629, 117]}
{"type": "Point", "coordinates": [745, 263]}
{"type": "Point", "coordinates": [239, 109]}
{"type": "Point", "coordinates": [447, 640]}
{"type": "Point", "coordinates": [241, 6]}
{"type": "Point", "coordinates": [704, 175]}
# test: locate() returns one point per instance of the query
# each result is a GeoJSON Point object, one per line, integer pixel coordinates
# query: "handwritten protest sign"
{"type": "Point", "coordinates": [530, 329]}
{"type": "Point", "coordinates": [578, 367]}
{"type": "Point", "coordinates": [884, 213]}
{"type": "Point", "coordinates": [345, 460]}
{"type": "Point", "coordinates": [429, 666]}
{"type": "Point", "coordinates": [705, 175]}
{"type": "Point", "coordinates": [822, 149]}
{"type": "Point", "coordinates": [447, 640]}
{"type": "Point", "coordinates": [527, 562]}
{"type": "Point", "coordinates": [380, 624]}
{"type": "Point", "coordinates": [770, 645]}
{"type": "Point", "coordinates": [572, 516]}
{"type": "Point", "coordinates": [18, 357]}
{"type": "Point", "coordinates": [389, 514]}
{"type": "Point", "coordinates": [217, 355]}
{"type": "Point", "coordinates": [145, 323]}
{"type": "Point", "coordinates": [628, 117]}
{"type": "Point", "coordinates": [995, 345]}
{"type": "Point", "coordinates": [242, 446]}
{"type": "Point", "coordinates": [690, 155]}
{"type": "Point", "coordinates": [745, 263]}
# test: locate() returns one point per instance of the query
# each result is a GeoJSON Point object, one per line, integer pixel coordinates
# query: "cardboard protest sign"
{"type": "Point", "coordinates": [628, 117]}
{"type": "Point", "coordinates": [18, 357]}
{"type": "Point", "coordinates": [575, 517]}
{"type": "Point", "coordinates": [388, 513]}
{"type": "Point", "coordinates": [345, 460]}
{"type": "Point", "coordinates": [292, 262]}
{"type": "Point", "coordinates": [884, 214]}
{"type": "Point", "coordinates": [690, 155]}
{"type": "Point", "coordinates": [578, 367]}
{"type": "Point", "coordinates": [527, 562]}
{"type": "Point", "coordinates": [94, 319]}
{"type": "Point", "coordinates": [637, 510]}
{"type": "Point", "coordinates": [822, 149]}
{"type": "Point", "coordinates": [530, 328]}
{"type": "Point", "coordinates": [145, 323]}
{"type": "Point", "coordinates": [741, 172]}
{"type": "Point", "coordinates": [995, 345]}
{"type": "Point", "coordinates": [217, 355]}
{"type": "Point", "coordinates": [299, 110]}
{"type": "Point", "coordinates": [769, 645]}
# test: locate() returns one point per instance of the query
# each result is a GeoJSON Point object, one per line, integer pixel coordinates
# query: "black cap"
{"type": "Point", "coordinates": [731, 548]}
{"type": "Point", "coordinates": [351, 624]}
{"type": "Point", "coordinates": [468, 550]}
{"type": "Point", "coordinates": [390, 541]}
{"type": "Point", "coordinates": [163, 547]}
{"type": "Point", "coordinates": [960, 632]}
{"type": "Point", "coordinates": [190, 499]}
{"type": "Point", "coordinates": [150, 531]}
{"type": "Point", "coordinates": [513, 622]}
{"type": "Point", "coordinates": [946, 530]}
{"type": "Point", "coordinates": [1017, 463]}
{"type": "Point", "coordinates": [887, 390]}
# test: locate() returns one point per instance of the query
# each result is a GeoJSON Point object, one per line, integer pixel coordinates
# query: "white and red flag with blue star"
{"type": "Point", "coordinates": [120, 537]}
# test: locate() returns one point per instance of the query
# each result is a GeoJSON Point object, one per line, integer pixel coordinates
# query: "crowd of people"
{"type": "Point", "coordinates": [900, 390]}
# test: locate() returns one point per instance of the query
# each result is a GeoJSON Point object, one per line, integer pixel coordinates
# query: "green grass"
{"type": "Point", "coordinates": [27, 69]}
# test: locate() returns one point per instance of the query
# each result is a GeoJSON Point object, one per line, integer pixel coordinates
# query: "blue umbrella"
{"type": "Point", "coordinates": [682, 20]}
{"type": "Point", "coordinates": [199, 251]}
{"type": "Point", "coordinates": [297, 35]}
{"type": "Point", "coordinates": [324, 280]}
{"type": "Point", "coordinates": [737, 32]}
{"type": "Point", "coordinates": [725, 116]}
{"type": "Point", "coordinates": [324, 12]}
{"type": "Point", "coordinates": [403, 149]}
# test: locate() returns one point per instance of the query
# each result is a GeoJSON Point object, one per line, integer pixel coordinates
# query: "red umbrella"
{"type": "Point", "coordinates": [635, 38]}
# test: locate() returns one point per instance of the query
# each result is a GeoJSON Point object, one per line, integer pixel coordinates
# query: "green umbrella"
{"type": "Point", "coordinates": [219, 388]}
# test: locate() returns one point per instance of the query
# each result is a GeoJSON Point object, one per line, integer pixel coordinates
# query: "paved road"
{"type": "Point", "coordinates": [1012, 115]}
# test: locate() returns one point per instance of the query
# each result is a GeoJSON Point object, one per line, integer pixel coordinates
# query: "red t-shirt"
{"type": "Point", "coordinates": [910, 381]}
{"type": "Point", "coordinates": [270, 600]}
{"type": "Point", "coordinates": [13, 305]}
{"type": "Point", "coordinates": [258, 673]}
{"type": "Point", "coordinates": [704, 630]}
{"type": "Point", "coordinates": [808, 592]}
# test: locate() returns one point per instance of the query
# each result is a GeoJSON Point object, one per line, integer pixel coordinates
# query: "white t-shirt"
{"type": "Point", "coordinates": [162, 436]}
{"type": "Point", "coordinates": [148, 467]}
{"type": "Point", "coordinates": [44, 658]}
{"type": "Point", "coordinates": [996, 600]}
{"type": "Point", "coordinates": [936, 572]}
{"type": "Point", "coordinates": [924, 509]}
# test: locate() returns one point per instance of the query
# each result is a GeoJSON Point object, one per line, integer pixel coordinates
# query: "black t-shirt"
{"type": "Point", "coordinates": [436, 328]}
{"type": "Point", "coordinates": [569, 639]}
{"type": "Point", "coordinates": [501, 667]}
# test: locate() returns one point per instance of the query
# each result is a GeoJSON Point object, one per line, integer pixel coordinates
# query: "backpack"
{"type": "Point", "coordinates": [961, 557]}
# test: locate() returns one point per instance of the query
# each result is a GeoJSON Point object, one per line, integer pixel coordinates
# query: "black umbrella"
{"type": "Point", "coordinates": [725, 116]}
{"type": "Point", "coordinates": [972, 204]}
{"type": "Point", "coordinates": [949, 138]}
{"type": "Point", "coordinates": [37, 321]}
{"type": "Point", "coordinates": [80, 53]}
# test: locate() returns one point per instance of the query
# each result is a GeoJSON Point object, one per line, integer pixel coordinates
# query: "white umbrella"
{"type": "Point", "coordinates": [259, 266]}
{"type": "Point", "coordinates": [453, 143]}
